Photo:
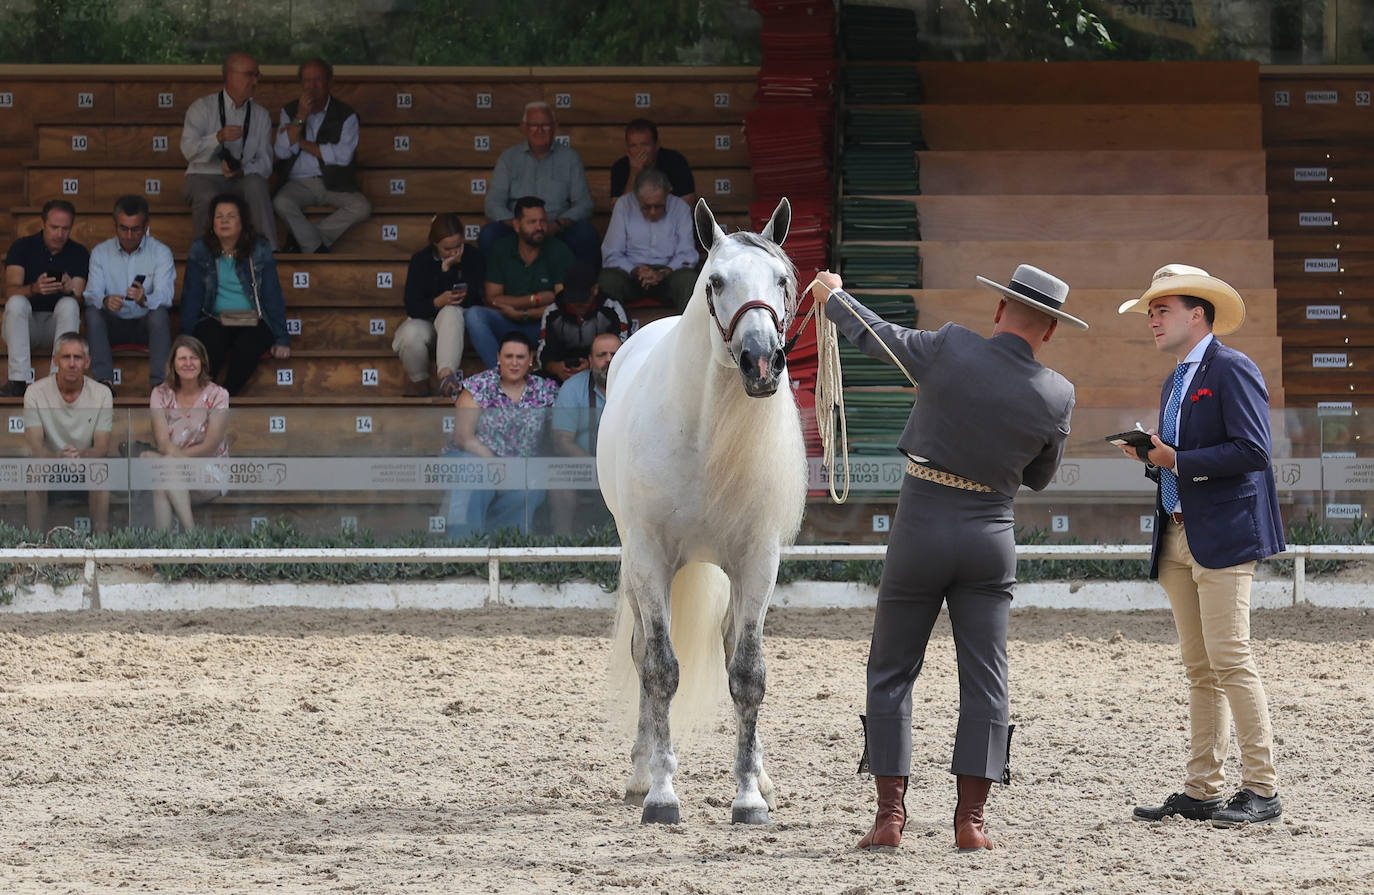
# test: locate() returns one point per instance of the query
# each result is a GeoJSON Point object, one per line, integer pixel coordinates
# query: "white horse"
{"type": "Point", "coordinates": [701, 459]}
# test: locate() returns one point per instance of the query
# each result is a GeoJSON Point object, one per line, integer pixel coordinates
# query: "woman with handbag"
{"type": "Point", "coordinates": [232, 300]}
{"type": "Point", "coordinates": [190, 416]}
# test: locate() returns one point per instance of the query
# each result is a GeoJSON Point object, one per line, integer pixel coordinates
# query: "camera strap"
{"type": "Point", "coordinates": [247, 119]}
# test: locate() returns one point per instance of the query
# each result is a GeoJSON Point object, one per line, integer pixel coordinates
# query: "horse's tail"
{"type": "Point", "coordinates": [700, 598]}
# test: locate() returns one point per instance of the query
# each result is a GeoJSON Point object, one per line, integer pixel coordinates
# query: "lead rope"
{"type": "Point", "coordinates": [830, 387]}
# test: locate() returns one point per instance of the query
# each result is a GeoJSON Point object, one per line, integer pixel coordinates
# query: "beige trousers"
{"type": "Point", "coordinates": [415, 337]}
{"type": "Point", "coordinates": [1212, 614]}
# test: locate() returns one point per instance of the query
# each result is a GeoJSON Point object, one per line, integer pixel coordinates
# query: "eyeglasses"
{"type": "Point", "coordinates": [652, 206]}
{"type": "Point", "coordinates": [131, 230]}
{"type": "Point", "coordinates": [540, 127]}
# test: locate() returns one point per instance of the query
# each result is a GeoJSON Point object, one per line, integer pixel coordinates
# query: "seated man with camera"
{"type": "Point", "coordinates": [129, 293]}
{"type": "Point", "coordinates": [44, 272]}
{"type": "Point", "coordinates": [578, 315]}
{"type": "Point", "coordinates": [227, 141]}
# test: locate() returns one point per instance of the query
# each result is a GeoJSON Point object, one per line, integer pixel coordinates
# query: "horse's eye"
{"type": "Point", "coordinates": [782, 282]}
{"type": "Point", "coordinates": [717, 282]}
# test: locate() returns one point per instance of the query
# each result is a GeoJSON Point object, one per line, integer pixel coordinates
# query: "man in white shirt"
{"type": "Point", "coordinates": [316, 148]}
{"type": "Point", "coordinates": [227, 141]}
{"type": "Point", "coordinates": [129, 291]}
{"type": "Point", "coordinates": [649, 250]}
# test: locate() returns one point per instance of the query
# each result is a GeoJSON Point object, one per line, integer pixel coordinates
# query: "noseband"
{"type": "Point", "coordinates": [727, 333]}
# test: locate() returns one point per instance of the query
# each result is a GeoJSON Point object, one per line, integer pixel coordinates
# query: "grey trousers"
{"type": "Point", "coordinates": [104, 328]}
{"type": "Point", "coordinates": [292, 199]}
{"type": "Point", "coordinates": [201, 189]}
{"type": "Point", "coordinates": [955, 547]}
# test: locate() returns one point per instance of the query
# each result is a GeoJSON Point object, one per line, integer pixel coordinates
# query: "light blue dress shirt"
{"type": "Point", "coordinates": [113, 270]}
{"type": "Point", "coordinates": [306, 165]}
{"type": "Point", "coordinates": [632, 240]}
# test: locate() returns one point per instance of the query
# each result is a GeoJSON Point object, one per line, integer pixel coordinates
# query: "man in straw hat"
{"type": "Point", "coordinates": [1217, 513]}
{"type": "Point", "coordinates": [989, 419]}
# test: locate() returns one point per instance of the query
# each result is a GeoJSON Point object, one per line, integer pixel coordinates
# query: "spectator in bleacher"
{"type": "Point", "coordinates": [68, 415]}
{"type": "Point", "coordinates": [227, 141]}
{"type": "Point", "coordinates": [44, 272]}
{"type": "Point", "coordinates": [129, 293]}
{"type": "Point", "coordinates": [316, 148]}
{"type": "Point", "coordinates": [576, 417]}
{"type": "Point", "coordinates": [443, 277]}
{"type": "Point", "coordinates": [578, 315]}
{"type": "Point", "coordinates": [190, 416]}
{"type": "Point", "coordinates": [501, 412]}
{"type": "Point", "coordinates": [642, 152]}
{"type": "Point", "coordinates": [541, 167]}
{"type": "Point", "coordinates": [524, 273]}
{"type": "Point", "coordinates": [231, 299]}
{"type": "Point", "coordinates": [650, 250]}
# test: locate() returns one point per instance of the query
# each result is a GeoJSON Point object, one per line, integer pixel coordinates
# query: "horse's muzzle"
{"type": "Point", "coordinates": [762, 364]}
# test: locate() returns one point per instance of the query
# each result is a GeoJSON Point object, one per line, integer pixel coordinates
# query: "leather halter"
{"type": "Point", "coordinates": [727, 333]}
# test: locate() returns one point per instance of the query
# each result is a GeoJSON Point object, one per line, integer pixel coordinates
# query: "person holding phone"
{"type": "Point", "coordinates": [129, 293]}
{"type": "Point", "coordinates": [43, 274]}
{"type": "Point", "coordinates": [443, 277]}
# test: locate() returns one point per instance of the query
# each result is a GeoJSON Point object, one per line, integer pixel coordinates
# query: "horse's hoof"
{"type": "Point", "coordinates": [634, 797]}
{"type": "Point", "coordinates": [749, 815]}
{"type": "Point", "coordinates": [660, 814]}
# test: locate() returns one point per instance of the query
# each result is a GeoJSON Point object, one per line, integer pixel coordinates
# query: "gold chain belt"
{"type": "Point", "coordinates": [941, 477]}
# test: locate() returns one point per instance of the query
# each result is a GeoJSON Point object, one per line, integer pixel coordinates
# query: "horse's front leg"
{"type": "Point", "coordinates": [751, 587]}
{"type": "Point", "coordinates": [645, 580]}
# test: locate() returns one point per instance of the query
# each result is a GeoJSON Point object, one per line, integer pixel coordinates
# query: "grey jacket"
{"type": "Point", "coordinates": [986, 410]}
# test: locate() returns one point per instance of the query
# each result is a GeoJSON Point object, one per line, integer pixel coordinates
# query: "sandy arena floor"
{"type": "Point", "coordinates": [297, 750]}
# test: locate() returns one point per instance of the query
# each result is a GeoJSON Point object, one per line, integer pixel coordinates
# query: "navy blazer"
{"type": "Point", "coordinates": [1230, 503]}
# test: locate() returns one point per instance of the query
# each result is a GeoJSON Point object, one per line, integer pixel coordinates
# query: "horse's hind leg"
{"type": "Point", "coordinates": [751, 587]}
{"type": "Point", "coordinates": [647, 586]}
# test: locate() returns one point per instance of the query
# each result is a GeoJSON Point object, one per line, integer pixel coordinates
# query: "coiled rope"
{"type": "Point", "coordinates": [830, 387]}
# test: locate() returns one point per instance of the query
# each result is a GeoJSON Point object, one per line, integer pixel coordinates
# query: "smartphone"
{"type": "Point", "coordinates": [138, 280]}
{"type": "Point", "coordinates": [54, 273]}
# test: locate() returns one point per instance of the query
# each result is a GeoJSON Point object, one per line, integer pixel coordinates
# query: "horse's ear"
{"type": "Point", "coordinates": [778, 224]}
{"type": "Point", "coordinates": [708, 231]}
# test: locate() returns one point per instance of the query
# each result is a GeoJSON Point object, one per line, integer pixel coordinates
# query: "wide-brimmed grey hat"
{"type": "Point", "coordinates": [1044, 292]}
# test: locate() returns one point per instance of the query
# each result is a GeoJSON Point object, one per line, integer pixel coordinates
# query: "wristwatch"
{"type": "Point", "coordinates": [298, 122]}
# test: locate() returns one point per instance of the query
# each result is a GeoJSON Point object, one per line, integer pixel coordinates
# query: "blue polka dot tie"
{"type": "Point", "coordinates": [1168, 480]}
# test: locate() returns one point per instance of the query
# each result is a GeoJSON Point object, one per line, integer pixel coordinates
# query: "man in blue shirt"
{"type": "Point", "coordinates": [576, 416]}
{"type": "Point", "coordinates": [650, 250]}
{"type": "Point", "coordinates": [129, 292]}
{"type": "Point", "coordinates": [43, 273]}
{"type": "Point", "coordinates": [541, 167]}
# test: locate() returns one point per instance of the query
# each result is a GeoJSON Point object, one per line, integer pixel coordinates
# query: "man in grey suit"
{"type": "Point", "coordinates": [989, 419]}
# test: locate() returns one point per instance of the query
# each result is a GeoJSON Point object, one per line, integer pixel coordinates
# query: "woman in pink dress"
{"type": "Point", "coordinates": [190, 415]}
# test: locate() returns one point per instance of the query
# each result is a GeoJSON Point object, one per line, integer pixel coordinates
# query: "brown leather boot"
{"type": "Point", "coordinates": [891, 820]}
{"type": "Point", "coordinates": [968, 813]}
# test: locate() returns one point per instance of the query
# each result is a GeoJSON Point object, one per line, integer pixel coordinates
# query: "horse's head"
{"type": "Point", "coordinates": [750, 288]}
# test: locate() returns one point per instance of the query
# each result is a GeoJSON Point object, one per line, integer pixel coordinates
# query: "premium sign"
{"type": "Point", "coordinates": [1310, 175]}
{"type": "Point", "coordinates": [1323, 312]}
{"type": "Point", "coordinates": [1329, 359]}
{"type": "Point", "coordinates": [1321, 265]}
{"type": "Point", "coordinates": [1316, 219]}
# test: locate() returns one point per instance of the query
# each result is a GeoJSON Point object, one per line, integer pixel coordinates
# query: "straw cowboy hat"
{"type": "Point", "coordinates": [1182, 279]}
{"type": "Point", "coordinates": [1032, 286]}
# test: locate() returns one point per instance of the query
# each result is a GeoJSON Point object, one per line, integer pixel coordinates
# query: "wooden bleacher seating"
{"type": "Point", "coordinates": [1317, 132]}
{"type": "Point", "coordinates": [1099, 173]}
{"type": "Point", "coordinates": [429, 139]}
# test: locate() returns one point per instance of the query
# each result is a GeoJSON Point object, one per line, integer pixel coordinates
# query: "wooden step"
{"type": "Point", "coordinates": [1091, 127]}
{"type": "Point", "coordinates": [1095, 265]}
{"type": "Point", "coordinates": [391, 237]}
{"type": "Point", "coordinates": [1317, 108]}
{"type": "Point", "coordinates": [982, 83]}
{"type": "Point", "coordinates": [1089, 172]}
{"type": "Point", "coordinates": [400, 146]}
{"type": "Point", "coordinates": [1106, 217]}
{"type": "Point", "coordinates": [1320, 242]}
{"type": "Point", "coordinates": [96, 188]}
{"type": "Point", "coordinates": [144, 95]}
{"type": "Point", "coordinates": [1319, 168]}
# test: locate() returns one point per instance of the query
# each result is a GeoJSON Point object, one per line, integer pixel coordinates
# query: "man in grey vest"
{"type": "Point", "coordinates": [316, 149]}
{"type": "Point", "coordinates": [989, 419]}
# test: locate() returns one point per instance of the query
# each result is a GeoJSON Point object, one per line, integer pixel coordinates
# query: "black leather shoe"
{"type": "Point", "coordinates": [13, 389]}
{"type": "Point", "coordinates": [1247, 808]}
{"type": "Point", "coordinates": [1180, 804]}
